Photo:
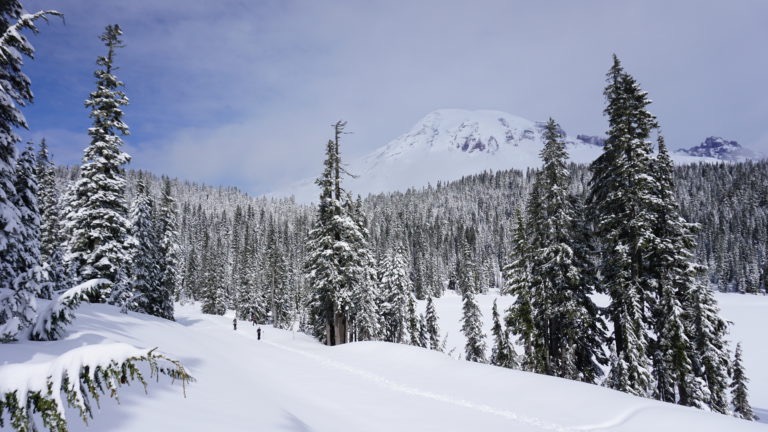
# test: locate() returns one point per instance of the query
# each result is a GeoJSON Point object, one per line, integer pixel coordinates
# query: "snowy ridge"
{"type": "Point", "coordinates": [722, 149]}
{"type": "Point", "coordinates": [448, 144]}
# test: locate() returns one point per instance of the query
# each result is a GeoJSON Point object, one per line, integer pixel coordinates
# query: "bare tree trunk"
{"type": "Point", "coordinates": [328, 334]}
{"type": "Point", "coordinates": [340, 325]}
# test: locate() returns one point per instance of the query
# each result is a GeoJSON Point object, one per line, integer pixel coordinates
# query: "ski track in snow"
{"type": "Point", "coordinates": [392, 385]}
{"type": "Point", "coordinates": [611, 424]}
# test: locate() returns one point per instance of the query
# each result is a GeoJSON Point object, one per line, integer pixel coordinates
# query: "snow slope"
{"type": "Point", "coordinates": [289, 382]}
{"type": "Point", "coordinates": [450, 143]}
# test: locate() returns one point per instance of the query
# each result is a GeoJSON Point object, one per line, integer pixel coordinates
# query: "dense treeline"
{"type": "Point", "coordinates": [729, 201]}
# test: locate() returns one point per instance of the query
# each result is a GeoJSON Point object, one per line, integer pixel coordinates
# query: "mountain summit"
{"type": "Point", "coordinates": [720, 148]}
{"type": "Point", "coordinates": [450, 143]}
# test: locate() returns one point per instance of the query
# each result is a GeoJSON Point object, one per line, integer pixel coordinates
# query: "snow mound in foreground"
{"type": "Point", "coordinates": [289, 382]}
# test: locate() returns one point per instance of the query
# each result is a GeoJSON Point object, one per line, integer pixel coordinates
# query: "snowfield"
{"type": "Point", "coordinates": [289, 382]}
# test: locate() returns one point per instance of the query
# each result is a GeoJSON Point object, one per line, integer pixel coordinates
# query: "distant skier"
{"type": "Point", "coordinates": [234, 323]}
{"type": "Point", "coordinates": [253, 319]}
{"type": "Point", "coordinates": [258, 333]}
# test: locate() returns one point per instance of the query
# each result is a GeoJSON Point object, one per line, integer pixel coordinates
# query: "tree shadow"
{"type": "Point", "coordinates": [294, 423]}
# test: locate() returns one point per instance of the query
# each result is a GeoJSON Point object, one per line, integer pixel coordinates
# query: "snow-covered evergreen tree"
{"type": "Point", "coordinates": [47, 202]}
{"type": "Point", "coordinates": [433, 328]}
{"type": "Point", "coordinates": [276, 278]}
{"type": "Point", "coordinates": [17, 93]}
{"type": "Point", "coordinates": [335, 265]}
{"type": "Point", "coordinates": [16, 299]}
{"type": "Point", "coordinates": [21, 276]}
{"type": "Point", "coordinates": [169, 260]}
{"type": "Point", "coordinates": [622, 197]}
{"type": "Point", "coordinates": [517, 282]}
{"type": "Point", "coordinates": [28, 251]}
{"type": "Point", "coordinates": [51, 239]}
{"type": "Point", "coordinates": [99, 224]}
{"type": "Point", "coordinates": [466, 269]}
{"type": "Point", "coordinates": [566, 331]}
{"type": "Point", "coordinates": [366, 313]}
{"type": "Point", "coordinates": [708, 331]}
{"type": "Point", "coordinates": [213, 292]}
{"type": "Point", "coordinates": [323, 264]}
{"type": "Point", "coordinates": [365, 294]}
{"type": "Point", "coordinates": [739, 392]}
{"type": "Point", "coordinates": [673, 371]}
{"type": "Point", "coordinates": [471, 326]}
{"type": "Point", "coordinates": [414, 328]}
{"type": "Point", "coordinates": [675, 358]}
{"type": "Point", "coordinates": [32, 277]}
{"type": "Point", "coordinates": [396, 289]}
{"type": "Point", "coordinates": [149, 294]}
{"type": "Point", "coordinates": [503, 353]}
{"type": "Point", "coordinates": [423, 335]}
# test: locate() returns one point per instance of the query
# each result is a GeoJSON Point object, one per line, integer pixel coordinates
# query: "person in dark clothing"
{"type": "Point", "coordinates": [258, 333]}
{"type": "Point", "coordinates": [234, 323]}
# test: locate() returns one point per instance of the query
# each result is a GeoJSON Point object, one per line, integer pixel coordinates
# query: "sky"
{"type": "Point", "coordinates": [244, 92]}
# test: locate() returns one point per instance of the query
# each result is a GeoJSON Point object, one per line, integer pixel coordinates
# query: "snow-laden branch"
{"type": "Point", "coordinates": [60, 312]}
{"type": "Point", "coordinates": [13, 34]}
{"type": "Point", "coordinates": [82, 375]}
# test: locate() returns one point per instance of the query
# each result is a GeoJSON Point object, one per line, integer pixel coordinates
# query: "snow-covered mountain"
{"type": "Point", "coordinates": [450, 143]}
{"type": "Point", "coordinates": [720, 148]}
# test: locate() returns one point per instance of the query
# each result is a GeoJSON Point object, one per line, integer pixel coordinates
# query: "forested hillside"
{"type": "Point", "coordinates": [236, 248]}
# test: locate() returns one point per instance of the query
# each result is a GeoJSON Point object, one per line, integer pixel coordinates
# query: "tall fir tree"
{"type": "Point", "coordinates": [99, 224]}
{"type": "Point", "coordinates": [708, 334]}
{"type": "Point", "coordinates": [51, 238]}
{"type": "Point", "coordinates": [330, 299]}
{"type": "Point", "coordinates": [170, 251]}
{"type": "Point", "coordinates": [676, 361]}
{"type": "Point", "coordinates": [335, 248]}
{"type": "Point", "coordinates": [17, 87]}
{"type": "Point", "coordinates": [433, 327]}
{"type": "Point", "coordinates": [503, 353]}
{"type": "Point", "coordinates": [675, 380]}
{"type": "Point", "coordinates": [414, 327]}
{"type": "Point", "coordinates": [396, 290]}
{"type": "Point", "coordinates": [566, 331]}
{"type": "Point", "coordinates": [621, 198]}
{"type": "Point", "coordinates": [517, 282]}
{"type": "Point", "coordinates": [276, 278]}
{"type": "Point", "coordinates": [365, 294]}
{"type": "Point", "coordinates": [28, 252]}
{"type": "Point", "coordinates": [16, 299]}
{"type": "Point", "coordinates": [739, 393]}
{"type": "Point", "coordinates": [47, 202]}
{"type": "Point", "coordinates": [149, 295]}
{"type": "Point", "coordinates": [471, 326]}
{"type": "Point", "coordinates": [213, 293]}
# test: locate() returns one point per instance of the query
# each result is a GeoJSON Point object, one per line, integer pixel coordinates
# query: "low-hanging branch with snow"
{"type": "Point", "coordinates": [82, 375]}
{"type": "Point", "coordinates": [59, 313]}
